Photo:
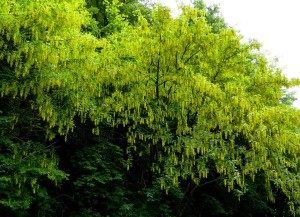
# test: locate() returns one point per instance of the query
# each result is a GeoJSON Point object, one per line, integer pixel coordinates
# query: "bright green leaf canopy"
{"type": "Point", "coordinates": [200, 101]}
{"type": "Point", "coordinates": [44, 54]}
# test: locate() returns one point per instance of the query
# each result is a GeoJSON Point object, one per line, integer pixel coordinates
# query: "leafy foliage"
{"type": "Point", "coordinates": [172, 113]}
{"type": "Point", "coordinates": [24, 169]}
{"type": "Point", "coordinates": [194, 103]}
{"type": "Point", "coordinates": [44, 54]}
{"type": "Point", "coordinates": [212, 15]}
{"type": "Point", "coordinates": [110, 14]}
{"type": "Point", "coordinates": [288, 98]}
{"type": "Point", "coordinates": [98, 168]}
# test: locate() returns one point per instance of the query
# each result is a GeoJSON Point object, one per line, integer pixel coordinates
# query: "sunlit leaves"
{"type": "Point", "coordinates": [199, 101]}
{"type": "Point", "coordinates": [191, 100]}
{"type": "Point", "coordinates": [47, 55]}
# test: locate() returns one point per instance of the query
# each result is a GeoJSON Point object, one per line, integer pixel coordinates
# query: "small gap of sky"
{"type": "Point", "coordinates": [274, 23]}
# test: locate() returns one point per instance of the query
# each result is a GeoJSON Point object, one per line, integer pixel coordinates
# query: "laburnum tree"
{"type": "Point", "coordinates": [46, 56]}
{"type": "Point", "coordinates": [198, 103]}
{"type": "Point", "coordinates": [46, 61]}
{"type": "Point", "coordinates": [181, 102]}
